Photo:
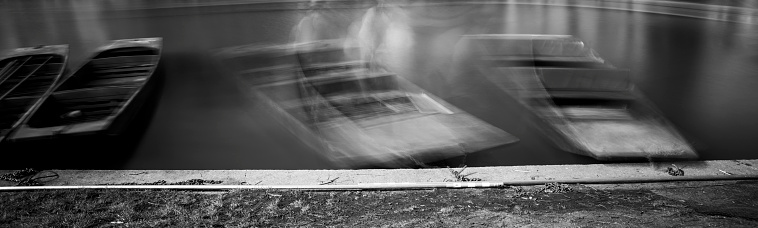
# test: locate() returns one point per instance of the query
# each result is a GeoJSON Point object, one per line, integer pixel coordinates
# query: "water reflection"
{"type": "Point", "coordinates": [323, 22]}
{"type": "Point", "coordinates": [6, 27]}
{"type": "Point", "coordinates": [89, 23]}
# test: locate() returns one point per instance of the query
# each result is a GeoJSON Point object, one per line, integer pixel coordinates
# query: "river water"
{"type": "Point", "coordinates": [702, 75]}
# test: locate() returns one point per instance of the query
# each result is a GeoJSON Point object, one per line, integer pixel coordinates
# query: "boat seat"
{"type": "Point", "coordinates": [612, 95]}
{"type": "Point", "coordinates": [141, 67]}
{"type": "Point", "coordinates": [121, 75]}
{"type": "Point", "coordinates": [89, 105]}
{"type": "Point", "coordinates": [122, 61]}
{"type": "Point", "coordinates": [597, 113]}
{"type": "Point", "coordinates": [572, 79]}
{"type": "Point", "coordinates": [117, 81]}
{"type": "Point", "coordinates": [564, 48]}
{"type": "Point", "coordinates": [95, 93]}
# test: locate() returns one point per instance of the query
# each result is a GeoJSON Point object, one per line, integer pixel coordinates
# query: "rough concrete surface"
{"type": "Point", "coordinates": [663, 204]}
{"type": "Point", "coordinates": [349, 177]}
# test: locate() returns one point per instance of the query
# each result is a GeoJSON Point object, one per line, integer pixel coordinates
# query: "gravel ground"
{"type": "Point", "coordinates": [688, 204]}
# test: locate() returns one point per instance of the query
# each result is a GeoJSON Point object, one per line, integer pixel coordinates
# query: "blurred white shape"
{"type": "Point", "coordinates": [358, 117]}
{"type": "Point", "coordinates": [583, 104]}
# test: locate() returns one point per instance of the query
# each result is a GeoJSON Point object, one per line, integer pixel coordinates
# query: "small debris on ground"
{"type": "Point", "coordinates": [187, 182]}
{"type": "Point", "coordinates": [742, 163]}
{"type": "Point", "coordinates": [674, 171]}
{"type": "Point", "coordinates": [329, 181]}
{"type": "Point", "coordinates": [27, 177]}
{"type": "Point", "coordinates": [459, 176]}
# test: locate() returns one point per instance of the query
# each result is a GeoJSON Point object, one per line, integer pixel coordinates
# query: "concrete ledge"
{"type": "Point", "coordinates": [371, 176]}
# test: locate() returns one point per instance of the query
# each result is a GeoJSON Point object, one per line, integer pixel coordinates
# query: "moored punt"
{"type": "Point", "coordinates": [583, 104]}
{"type": "Point", "coordinates": [358, 117]}
{"type": "Point", "coordinates": [26, 75]}
{"type": "Point", "coordinates": [100, 97]}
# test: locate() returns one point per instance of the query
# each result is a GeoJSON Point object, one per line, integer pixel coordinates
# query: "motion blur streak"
{"type": "Point", "coordinates": [355, 112]}
{"type": "Point", "coordinates": [699, 73]}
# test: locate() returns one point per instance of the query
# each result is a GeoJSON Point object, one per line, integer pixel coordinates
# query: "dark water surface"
{"type": "Point", "coordinates": [703, 76]}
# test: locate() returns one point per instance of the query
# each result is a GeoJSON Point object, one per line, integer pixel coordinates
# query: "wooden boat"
{"type": "Point", "coordinates": [101, 96]}
{"type": "Point", "coordinates": [585, 105]}
{"type": "Point", "coordinates": [26, 75]}
{"type": "Point", "coordinates": [359, 117]}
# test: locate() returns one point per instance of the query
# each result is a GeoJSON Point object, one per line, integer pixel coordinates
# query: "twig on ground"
{"type": "Point", "coordinates": [329, 182]}
{"type": "Point", "coordinates": [459, 176]}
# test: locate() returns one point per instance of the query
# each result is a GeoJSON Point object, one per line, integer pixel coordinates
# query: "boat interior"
{"type": "Point", "coordinates": [99, 88]}
{"type": "Point", "coordinates": [349, 86]}
{"type": "Point", "coordinates": [23, 80]}
{"type": "Point", "coordinates": [330, 97]}
{"type": "Point", "coordinates": [368, 96]}
{"type": "Point", "coordinates": [323, 85]}
{"type": "Point", "coordinates": [590, 93]}
{"type": "Point", "coordinates": [559, 77]}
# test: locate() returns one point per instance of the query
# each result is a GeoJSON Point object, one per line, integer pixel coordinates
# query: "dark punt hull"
{"type": "Point", "coordinates": [99, 98]}
{"type": "Point", "coordinates": [26, 76]}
